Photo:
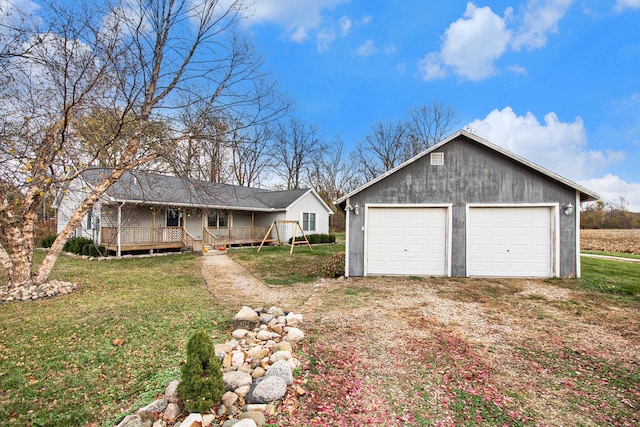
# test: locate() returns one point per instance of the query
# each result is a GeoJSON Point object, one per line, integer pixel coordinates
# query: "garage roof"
{"type": "Point", "coordinates": [585, 194]}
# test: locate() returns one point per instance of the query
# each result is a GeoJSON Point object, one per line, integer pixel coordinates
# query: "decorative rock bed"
{"type": "Point", "coordinates": [46, 290]}
{"type": "Point", "coordinates": [257, 365]}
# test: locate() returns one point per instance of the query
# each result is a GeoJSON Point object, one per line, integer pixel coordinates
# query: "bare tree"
{"type": "Point", "coordinates": [332, 176]}
{"type": "Point", "coordinates": [294, 146]}
{"type": "Point", "coordinates": [428, 125]}
{"type": "Point", "coordinates": [250, 155]}
{"type": "Point", "coordinates": [136, 59]}
{"type": "Point", "coordinates": [382, 149]}
{"type": "Point", "coordinates": [392, 143]}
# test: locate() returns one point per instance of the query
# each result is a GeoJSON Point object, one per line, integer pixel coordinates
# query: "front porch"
{"type": "Point", "coordinates": [145, 238]}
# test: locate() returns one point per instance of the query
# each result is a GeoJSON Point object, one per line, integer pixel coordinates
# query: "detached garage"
{"type": "Point", "coordinates": [465, 207]}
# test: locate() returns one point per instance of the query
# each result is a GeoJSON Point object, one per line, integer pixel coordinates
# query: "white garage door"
{"type": "Point", "coordinates": [509, 242]}
{"type": "Point", "coordinates": [407, 241]}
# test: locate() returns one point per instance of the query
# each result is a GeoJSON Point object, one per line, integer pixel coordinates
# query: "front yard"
{"type": "Point", "coordinates": [382, 351]}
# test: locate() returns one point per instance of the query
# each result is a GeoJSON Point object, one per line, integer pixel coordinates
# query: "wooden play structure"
{"type": "Point", "coordinates": [296, 227]}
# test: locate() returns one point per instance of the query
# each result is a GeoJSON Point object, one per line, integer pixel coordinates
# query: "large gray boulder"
{"type": "Point", "coordinates": [282, 370]}
{"type": "Point", "coordinates": [267, 390]}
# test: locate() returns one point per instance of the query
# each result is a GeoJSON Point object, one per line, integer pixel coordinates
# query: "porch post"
{"type": "Point", "coordinates": [119, 250]}
{"type": "Point", "coordinates": [153, 225]}
{"type": "Point", "coordinates": [229, 221]}
{"type": "Point", "coordinates": [253, 225]}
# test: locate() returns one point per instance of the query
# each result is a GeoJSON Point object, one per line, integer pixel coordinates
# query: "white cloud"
{"type": "Point", "coordinates": [612, 187]}
{"type": "Point", "coordinates": [472, 44]}
{"type": "Point", "coordinates": [517, 69]}
{"type": "Point", "coordinates": [345, 25]}
{"type": "Point", "coordinates": [558, 146]}
{"type": "Point", "coordinates": [390, 50]}
{"type": "Point", "coordinates": [324, 39]}
{"type": "Point", "coordinates": [368, 48]}
{"type": "Point", "coordinates": [537, 22]}
{"type": "Point", "coordinates": [627, 4]}
{"type": "Point", "coordinates": [298, 18]}
{"type": "Point", "coordinates": [13, 11]}
{"type": "Point", "coordinates": [431, 67]}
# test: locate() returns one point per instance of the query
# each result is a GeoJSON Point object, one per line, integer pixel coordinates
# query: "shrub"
{"type": "Point", "coordinates": [315, 239]}
{"type": "Point", "coordinates": [201, 386]}
{"type": "Point", "coordinates": [82, 246]}
{"type": "Point", "coordinates": [48, 240]}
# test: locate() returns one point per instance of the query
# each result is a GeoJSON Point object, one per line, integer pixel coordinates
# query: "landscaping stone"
{"type": "Point", "coordinates": [234, 380]}
{"type": "Point", "coordinates": [155, 406]}
{"type": "Point", "coordinates": [131, 421]}
{"type": "Point", "coordinates": [294, 335]}
{"type": "Point", "coordinates": [282, 370]}
{"type": "Point", "coordinates": [229, 398]}
{"type": "Point", "coordinates": [171, 391]}
{"type": "Point", "coordinates": [246, 318]}
{"type": "Point", "coordinates": [257, 370]}
{"type": "Point", "coordinates": [172, 412]}
{"type": "Point", "coordinates": [257, 416]}
{"type": "Point", "coordinates": [267, 390]}
{"type": "Point", "coordinates": [193, 420]}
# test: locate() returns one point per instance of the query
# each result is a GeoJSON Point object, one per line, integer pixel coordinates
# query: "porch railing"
{"type": "Point", "coordinates": [145, 236]}
{"type": "Point", "coordinates": [131, 236]}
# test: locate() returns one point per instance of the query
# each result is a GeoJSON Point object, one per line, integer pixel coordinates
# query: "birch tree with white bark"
{"type": "Point", "coordinates": [134, 60]}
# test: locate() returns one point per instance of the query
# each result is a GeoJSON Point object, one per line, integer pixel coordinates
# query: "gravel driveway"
{"type": "Point", "coordinates": [402, 351]}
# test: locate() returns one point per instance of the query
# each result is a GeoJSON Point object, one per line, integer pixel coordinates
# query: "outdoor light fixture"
{"type": "Point", "coordinates": [569, 209]}
{"type": "Point", "coordinates": [356, 209]}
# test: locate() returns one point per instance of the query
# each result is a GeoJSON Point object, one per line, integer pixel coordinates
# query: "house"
{"type": "Point", "coordinates": [465, 207]}
{"type": "Point", "coordinates": [150, 212]}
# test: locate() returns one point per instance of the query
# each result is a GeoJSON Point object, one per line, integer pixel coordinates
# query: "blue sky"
{"type": "Point", "coordinates": [555, 81]}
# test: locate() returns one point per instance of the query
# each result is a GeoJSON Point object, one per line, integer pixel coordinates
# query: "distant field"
{"type": "Point", "coordinates": [622, 241]}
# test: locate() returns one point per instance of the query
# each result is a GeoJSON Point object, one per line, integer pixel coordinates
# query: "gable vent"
{"type": "Point", "coordinates": [437, 159]}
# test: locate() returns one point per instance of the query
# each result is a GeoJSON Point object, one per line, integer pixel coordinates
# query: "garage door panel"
{"type": "Point", "coordinates": [510, 242]}
{"type": "Point", "coordinates": [406, 241]}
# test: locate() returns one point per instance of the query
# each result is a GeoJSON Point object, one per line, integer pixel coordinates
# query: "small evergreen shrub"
{"type": "Point", "coordinates": [47, 241]}
{"type": "Point", "coordinates": [201, 386]}
{"type": "Point", "coordinates": [315, 239]}
{"type": "Point", "coordinates": [82, 246]}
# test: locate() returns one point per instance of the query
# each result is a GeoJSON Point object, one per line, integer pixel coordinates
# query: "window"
{"type": "Point", "coordinates": [308, 221]}
{"type": "Point", "coordinates": [218, 219]}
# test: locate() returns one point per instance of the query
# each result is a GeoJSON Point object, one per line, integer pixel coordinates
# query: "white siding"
{"type": "Point", "coordinates": [309, 204]}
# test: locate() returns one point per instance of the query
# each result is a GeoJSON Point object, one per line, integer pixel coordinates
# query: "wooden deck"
{"type": "Point", "coordinates": [164, 238]}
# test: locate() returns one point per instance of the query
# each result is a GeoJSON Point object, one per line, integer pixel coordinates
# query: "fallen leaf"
{"type": "Point", "coordinates": [118, 342]}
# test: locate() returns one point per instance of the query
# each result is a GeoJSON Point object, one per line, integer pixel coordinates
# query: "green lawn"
{"type": "Point", "coordinates": [58, 363]}
{"type": "Point", "coordinates": [277, 267]}
{"type": "Point", "coordinates": [616, 277]}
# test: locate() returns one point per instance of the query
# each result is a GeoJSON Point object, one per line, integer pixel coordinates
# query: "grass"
{"type": "Point", "coordinates": [277, 267]}
{"type": "Point", "coordinates": [58, 363]}
{"type": "Point", "coordinates": [614, 254]}
{"type": "Point", "coordinates": [607, 276]}
{"type": "Point", "coordinates": [59, 366]}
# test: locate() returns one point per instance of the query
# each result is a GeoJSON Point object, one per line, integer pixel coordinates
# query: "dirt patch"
{"type": "Point", "coordinates": [625, 241]}
{"type": "Point", "coordinates": [410, 351]}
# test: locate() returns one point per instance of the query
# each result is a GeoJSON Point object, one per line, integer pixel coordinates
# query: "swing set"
{"type": "Point", "coordinates": [286, 223]}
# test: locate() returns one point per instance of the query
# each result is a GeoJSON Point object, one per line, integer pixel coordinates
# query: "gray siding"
{"type": "Point", "coordinates": [471, 174]}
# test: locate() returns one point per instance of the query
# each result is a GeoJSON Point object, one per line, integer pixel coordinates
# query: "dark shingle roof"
{"type": "Point", "coordinates": [153, 188]}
